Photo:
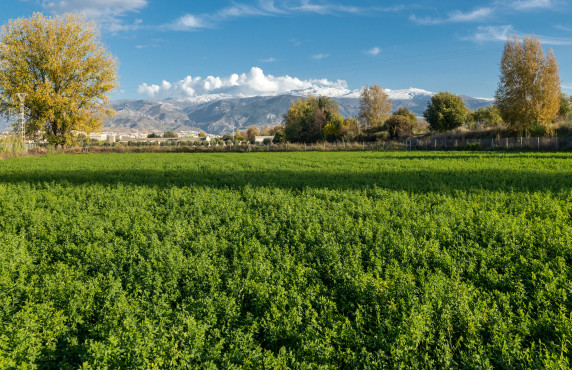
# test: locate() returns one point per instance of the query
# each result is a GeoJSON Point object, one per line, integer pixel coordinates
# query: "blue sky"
{"type": "Point", "coordinates": [170, 48]}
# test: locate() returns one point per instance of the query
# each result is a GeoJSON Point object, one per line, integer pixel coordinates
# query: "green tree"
{"type": "Point", "coordinates": [565, 106]}
{"type": "Point", "coordinates": [307, 117]}
{"type": "Point", "coordinates": [279, 137]}
{"type": "Point", "coordinates": [399, 126]}
{"type": "Point", "coordinates": [63, 68]}
{"type": "Point", "coordinates": [374, 106]}
{"type": "Point", "coordinates": [153, 136]}
{"type": "Point", "coordinates": [445, 111]}
{"type": "Point", "coordinates": [405, 112]}
{"type": "Point", "coordinates": [529, 91]}
{"type": "Point", "coordinates": [170, 134]}
{"type": "Point", "coordinates": [486, 116]}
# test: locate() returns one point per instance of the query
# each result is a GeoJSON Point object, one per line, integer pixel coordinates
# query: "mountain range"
{"type": "Point", "coordinates": [219, 113]}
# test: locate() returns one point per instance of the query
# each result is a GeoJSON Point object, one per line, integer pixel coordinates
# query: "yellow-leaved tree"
{"type": "Point", "coordinates": [529, 90]}
{"type": "Point", "coordinates": [64, 70]}
{"type": "Point", "coordinates": [374, 106]}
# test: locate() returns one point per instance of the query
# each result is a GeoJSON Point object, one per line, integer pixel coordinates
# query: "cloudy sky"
{"type": "Point", "coordinates": [170, 48]}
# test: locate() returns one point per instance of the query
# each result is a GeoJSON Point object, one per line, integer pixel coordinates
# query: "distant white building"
{"type": "Point", "coordinates": [260, 139]}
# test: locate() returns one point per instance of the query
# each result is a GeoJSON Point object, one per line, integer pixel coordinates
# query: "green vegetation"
{"type": "Point", "coordinates": [302, 260]}
{"type": "Point", "coordinates": [170, 134]}
{"type": "Point", "coordinates": [445, 111]}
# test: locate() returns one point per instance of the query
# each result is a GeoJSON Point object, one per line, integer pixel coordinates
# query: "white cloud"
{"type": "Point", "coordinates": [189, 21]}
{"type": "Point", "coordinates": [456, 16]}
{"type": "Point", "coordinates": [268, 60]}
{"type": "Point", "coordinates": [320, 56]}
{"type": "Point", "coordinates": [566, 86]}
{"type": "Point", "coordinates": [268, 8]}
{"type": "Point", "coordinates": [549, 40]}
{"type": "Point", "coordinates": [106, 12]}
{"type": "Point", "coordinates": [532, 4]}
{"type": "Point", "coordinates": [563, 28]}
{"type": "Point", "coordinates": [252, 83]}
{"type": "Point", "coordinates": [373, 51]}
{"type": "Point", "coordinates": [502, 33]}
{"type": "Point", "coordinates": [492, 33]}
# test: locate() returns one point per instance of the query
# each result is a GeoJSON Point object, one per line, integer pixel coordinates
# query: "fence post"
{"type": "Point", "coordinates": [492, 144]}
{"type": "Point", "coordinates": [521, 142]}
{"type": "Point", "coordinates": [538, 142]}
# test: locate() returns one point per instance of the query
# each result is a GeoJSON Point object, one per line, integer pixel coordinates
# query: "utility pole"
{"type": "Point", "coordinates": [22, 97]}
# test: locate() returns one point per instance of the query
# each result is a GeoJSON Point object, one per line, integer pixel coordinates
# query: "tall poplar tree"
{"type": "Point", "coordinates": [529, 91]}
{"type": "Point", "coordinates": [64, 70]}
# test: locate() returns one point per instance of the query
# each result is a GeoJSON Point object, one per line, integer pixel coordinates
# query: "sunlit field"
{"type": "Point", "coordinates": [302, 260]}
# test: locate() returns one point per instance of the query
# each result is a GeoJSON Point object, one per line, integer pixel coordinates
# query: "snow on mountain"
{"type": "Point", "coordinates": [405, 94]}
{"type": "Point", "coordinates": [332, 92]}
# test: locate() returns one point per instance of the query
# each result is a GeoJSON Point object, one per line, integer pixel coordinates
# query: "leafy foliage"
{"type": "Point", "coordinates": [529, 88]}
{"type": "Point", "coordinates": [374, 106]}
{"type": "Point", "coordinates": [401, 124]}
{"type": "Point", "coordinates": [300, 260]}
{"type": "Point", "coordinates": [64, 70]}
{"type": "Point", "coordinates": [170, 134]}
{"type": "Point", "coordinates": [307, 118]}
{"type": "Point", "coordinates": [445, 111]}
{"type": "Point", "coordinates": [487, 117]}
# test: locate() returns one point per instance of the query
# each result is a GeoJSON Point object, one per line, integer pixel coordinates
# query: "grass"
{"type": "Point", "coordinates": [302, 260]}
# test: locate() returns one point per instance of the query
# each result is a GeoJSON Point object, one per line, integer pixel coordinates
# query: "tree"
{"type": "Point", "coordinates": [445, 111]}
{"type": "Point", "coordinates": [251, 133]}
{"type": "Point", "coordinates": [333, 127]}
{"type": "Point", "coordinates": [170, 134]}
{"type": "Point", "coordinates": [400, 124]}
{"type": "Point", "coordinates": [405, 112]}
{"type": "Point", "coordinates": [307, 117]}
{"type": "Point", "coordinates": [63, 68]}
{"type": "Point", "coordinates": [487, 116]}
{"type": "Point", "coordinates": [153, 136]}
{"type": "Point", "coordinates": [279, 137]}
{"type": "Point", "coordinates": [565, 107]}
{"type": "Point", "coordinates": [374, 105]}
{"type": "Point", "coordinates": [529, 88]}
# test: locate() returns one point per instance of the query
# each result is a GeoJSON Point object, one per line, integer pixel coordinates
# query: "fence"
{"type": "Point", "coordinates": [511, 144]}
{"type": "Point", "coordinates": [508, 143]}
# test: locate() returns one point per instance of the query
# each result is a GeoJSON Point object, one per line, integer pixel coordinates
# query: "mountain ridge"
{"type": "Point", "coordinates": [223, 113]}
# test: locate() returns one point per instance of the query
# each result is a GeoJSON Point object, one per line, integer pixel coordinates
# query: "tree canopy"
{"type": "Point", "coordinates": [64, 70]}
{"type": "Point", "coordinates": [374, 105]}
{"type": "Point", "coordinates": [445, 111]}
{"type": "Point", "coordinates": [529, 88]}
{"type": "Point", "coordinates": [486, 116]}
{"type": "Point", "coordinates": [312, 119]}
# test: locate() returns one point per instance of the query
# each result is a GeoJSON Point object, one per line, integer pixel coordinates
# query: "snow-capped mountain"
{"type": "Point", "coordinates": [222, 112]}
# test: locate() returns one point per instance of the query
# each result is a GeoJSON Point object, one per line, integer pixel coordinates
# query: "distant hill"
{"type": "Point", "coordinates": [221, 114]}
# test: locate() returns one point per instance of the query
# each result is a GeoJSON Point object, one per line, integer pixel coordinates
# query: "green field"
{"type": "Point", "coordinates": [286, 260]}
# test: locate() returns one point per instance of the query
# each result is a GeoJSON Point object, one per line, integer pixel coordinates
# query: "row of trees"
{"type": "Point", "coordinates": [528, 97]}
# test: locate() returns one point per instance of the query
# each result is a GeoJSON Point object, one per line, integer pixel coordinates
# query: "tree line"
{"type": "Point", "coordinates": [528, 100]}
{"type": "Point", "coordinates": [57, 70]}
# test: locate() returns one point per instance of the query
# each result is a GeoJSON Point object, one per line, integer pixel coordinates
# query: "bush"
{"type": "Point", "coordinates": [399, 126]}
{"type": "Point", "coordinates": [170, 134]}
